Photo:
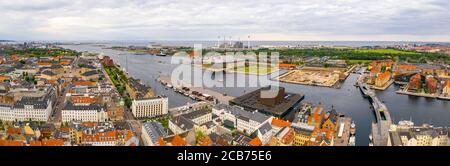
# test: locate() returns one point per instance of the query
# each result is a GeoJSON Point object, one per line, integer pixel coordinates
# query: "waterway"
{"type": "Point", "coordinates": [347, 99]}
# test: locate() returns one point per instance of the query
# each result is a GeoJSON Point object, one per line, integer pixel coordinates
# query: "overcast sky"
{"type": "Point", "coordinates": [343, 20]}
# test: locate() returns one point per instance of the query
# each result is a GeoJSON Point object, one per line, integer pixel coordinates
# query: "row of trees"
{"type": "Point", "coordinates": [41, 52]}
{"type": "Point", "coordinates": [353, 54]}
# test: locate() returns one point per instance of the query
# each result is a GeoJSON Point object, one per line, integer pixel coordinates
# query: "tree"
{"type": "Point", "coordinates": [128, 102]}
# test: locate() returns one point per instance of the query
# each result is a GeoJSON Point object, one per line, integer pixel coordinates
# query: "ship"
{"type": "Point", "coordinates": [353, 128]}
{"type": "Point", "coordinates": [352, 141]}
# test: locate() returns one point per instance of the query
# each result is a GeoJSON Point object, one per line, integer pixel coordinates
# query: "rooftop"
{"type": "Point", "coordinates": [278, 106]}
{"type": "Point", "coordinates": [242, 114]}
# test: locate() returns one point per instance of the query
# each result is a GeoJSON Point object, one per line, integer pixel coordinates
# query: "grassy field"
{"type": "Point", "coordinates": [386, 51]}
{"type": "Point", "coordinates": [254, 70]}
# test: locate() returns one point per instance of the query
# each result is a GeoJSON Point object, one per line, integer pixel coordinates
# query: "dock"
{"type": "Point", "coordinates": [344, 131]}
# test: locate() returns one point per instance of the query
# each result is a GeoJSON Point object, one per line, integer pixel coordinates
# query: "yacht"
{"type": "Point", "coordinates": [353, 128]}
{"type": "Point", "coordinates": [352, 141]}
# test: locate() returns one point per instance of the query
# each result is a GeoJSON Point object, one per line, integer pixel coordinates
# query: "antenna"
{"type": "Point", "coordinates": [224, 42]}
{"type": "Point", "coordinates": [218, 41]}
{"type": "Point", "coordinates": [126, 62]}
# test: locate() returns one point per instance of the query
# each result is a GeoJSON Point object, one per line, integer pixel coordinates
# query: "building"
{"type": "Point", "coordinates": [92, 75]}
{"type": "Point", "coordinates": [28, 108]}
{"type": "Point", "coordinates": [415, 82]}
{"type": "Point", "coordinates": [201, 120]}
{"type": "Point", "coordinates": [180, 124]}
{"type": "Point", "coordinates": [48, 75]}
{"type": "Point", "coordinates": [302, 135]}
{"type": "Point", "coordinates": [107, 61]}
{"type": "Point", "coordinates": [83, 100]}
{"type": "Point", "coordinates": [102, 134]}
{"type": "Point", "coordinates": [84, 83]}
{"type": "Point", "coordinates": [150, 107]}
{"type": "Point", "coordinates": [378, 66]}
{"type": "Point", "coordinates": [4, 78]}
{"type": "Point", "coordinates": [240, 119]}
{"type": "Point", "coordinates": [383, 79]}
{"type": "Point", "coordinates": [105, 138]}
{"type": "Point", "coordinates": [406, 134]}
{"type": "Point", "coordinates": [264, 133]}
{"type": "Point", "coordinates": [152, 133]}
{"type": "Point", "coordinates": [138, 90]}
{"type": "Point", "coordinates": [284, 137]}
{"type": "Point", "coordinates": [431, 84]}
{"type": "Point", "coordinates": [84, 113]}
{"type": "Point", "coordinates": [272, 101]}
{"type": "Point", "coordinates": [406, 68]}
{"type": "Point", "coordinates": [446, 89]}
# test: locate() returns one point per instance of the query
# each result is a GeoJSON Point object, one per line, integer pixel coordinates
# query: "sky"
{"type": "Point", "coordinates": [278, 20]}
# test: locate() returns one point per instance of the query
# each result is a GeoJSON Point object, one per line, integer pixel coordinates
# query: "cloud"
{"type": "Point", "coordinates": [207, 19]}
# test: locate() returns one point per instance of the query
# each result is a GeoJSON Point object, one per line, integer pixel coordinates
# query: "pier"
{"type": "Point", "coordinates": [383, 121]}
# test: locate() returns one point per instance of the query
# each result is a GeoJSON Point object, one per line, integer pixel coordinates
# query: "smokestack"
{"type": "Point", "coordinates": [248, 42]}
{"type": "Point", "coordinates": [218, 41]}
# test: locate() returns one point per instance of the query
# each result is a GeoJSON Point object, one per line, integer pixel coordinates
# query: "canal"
{"type": "Point", "coordinates": [347, 99]}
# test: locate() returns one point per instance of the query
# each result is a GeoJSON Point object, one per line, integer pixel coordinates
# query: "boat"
{"type": "Point", "coordinates": [352, 141]}
{"type": "Point", "coordinates": [353, 128]}
{"type": "Point", "coordinates": [161, 54]}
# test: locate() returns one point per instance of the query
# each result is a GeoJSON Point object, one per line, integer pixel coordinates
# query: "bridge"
{"type": "Point", "coordinates": [382, 123]}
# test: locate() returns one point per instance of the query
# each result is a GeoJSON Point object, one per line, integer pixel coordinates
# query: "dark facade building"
{"type": "Point", "coordinates": [278, 103]}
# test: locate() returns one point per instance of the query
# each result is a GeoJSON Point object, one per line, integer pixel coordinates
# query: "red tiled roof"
{"type": "Point", "coordinates": [84, 83]}
{"type": "Point", "coordinates": [12, 131]}
{"type": "Point", "coordinates": [53, 142]}
{"type": "Point", "coordinates": [178, 141]}
{"type": "Point", "coordinates": [35, 143]}
{"type": "Point", "coordinates": [255, 142]}
{"type": "Point", "coordinates": [161, 142]}
{"type": "Point", "coordinates": [10, 143]}
{"type": "Point", "coordinates": [280, 123]}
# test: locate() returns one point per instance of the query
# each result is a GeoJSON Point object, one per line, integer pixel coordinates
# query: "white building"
{"type": "Point", "coordinates": [6, 113]}
{"type": "Point", "coordinates": [406, 134]}
{"type": "Point", "coordinates": [244, 121]}
{"type": "Point", "coordinates": [264, 133]}
{"type": "Point", "coordinates": [84, 113]}
{"type": "Point", "coordinates": [200, 120]}
{"type": "Point", "coordinates": [28, 108]}
{"type": "Point", "coordinates": [151, 107]}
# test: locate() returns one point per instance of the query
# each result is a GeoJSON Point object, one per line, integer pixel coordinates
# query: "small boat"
{"type": "Point", "coordinates": [353, 128]}
{"type": "Point", "coordinates": [352, 141]}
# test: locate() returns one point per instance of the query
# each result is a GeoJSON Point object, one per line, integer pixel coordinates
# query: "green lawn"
{"type": "Point", "coordinates": [254, 70]}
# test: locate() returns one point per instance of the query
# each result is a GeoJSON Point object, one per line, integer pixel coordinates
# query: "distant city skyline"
{"type": "Point", "coordinates": [176, 20]}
